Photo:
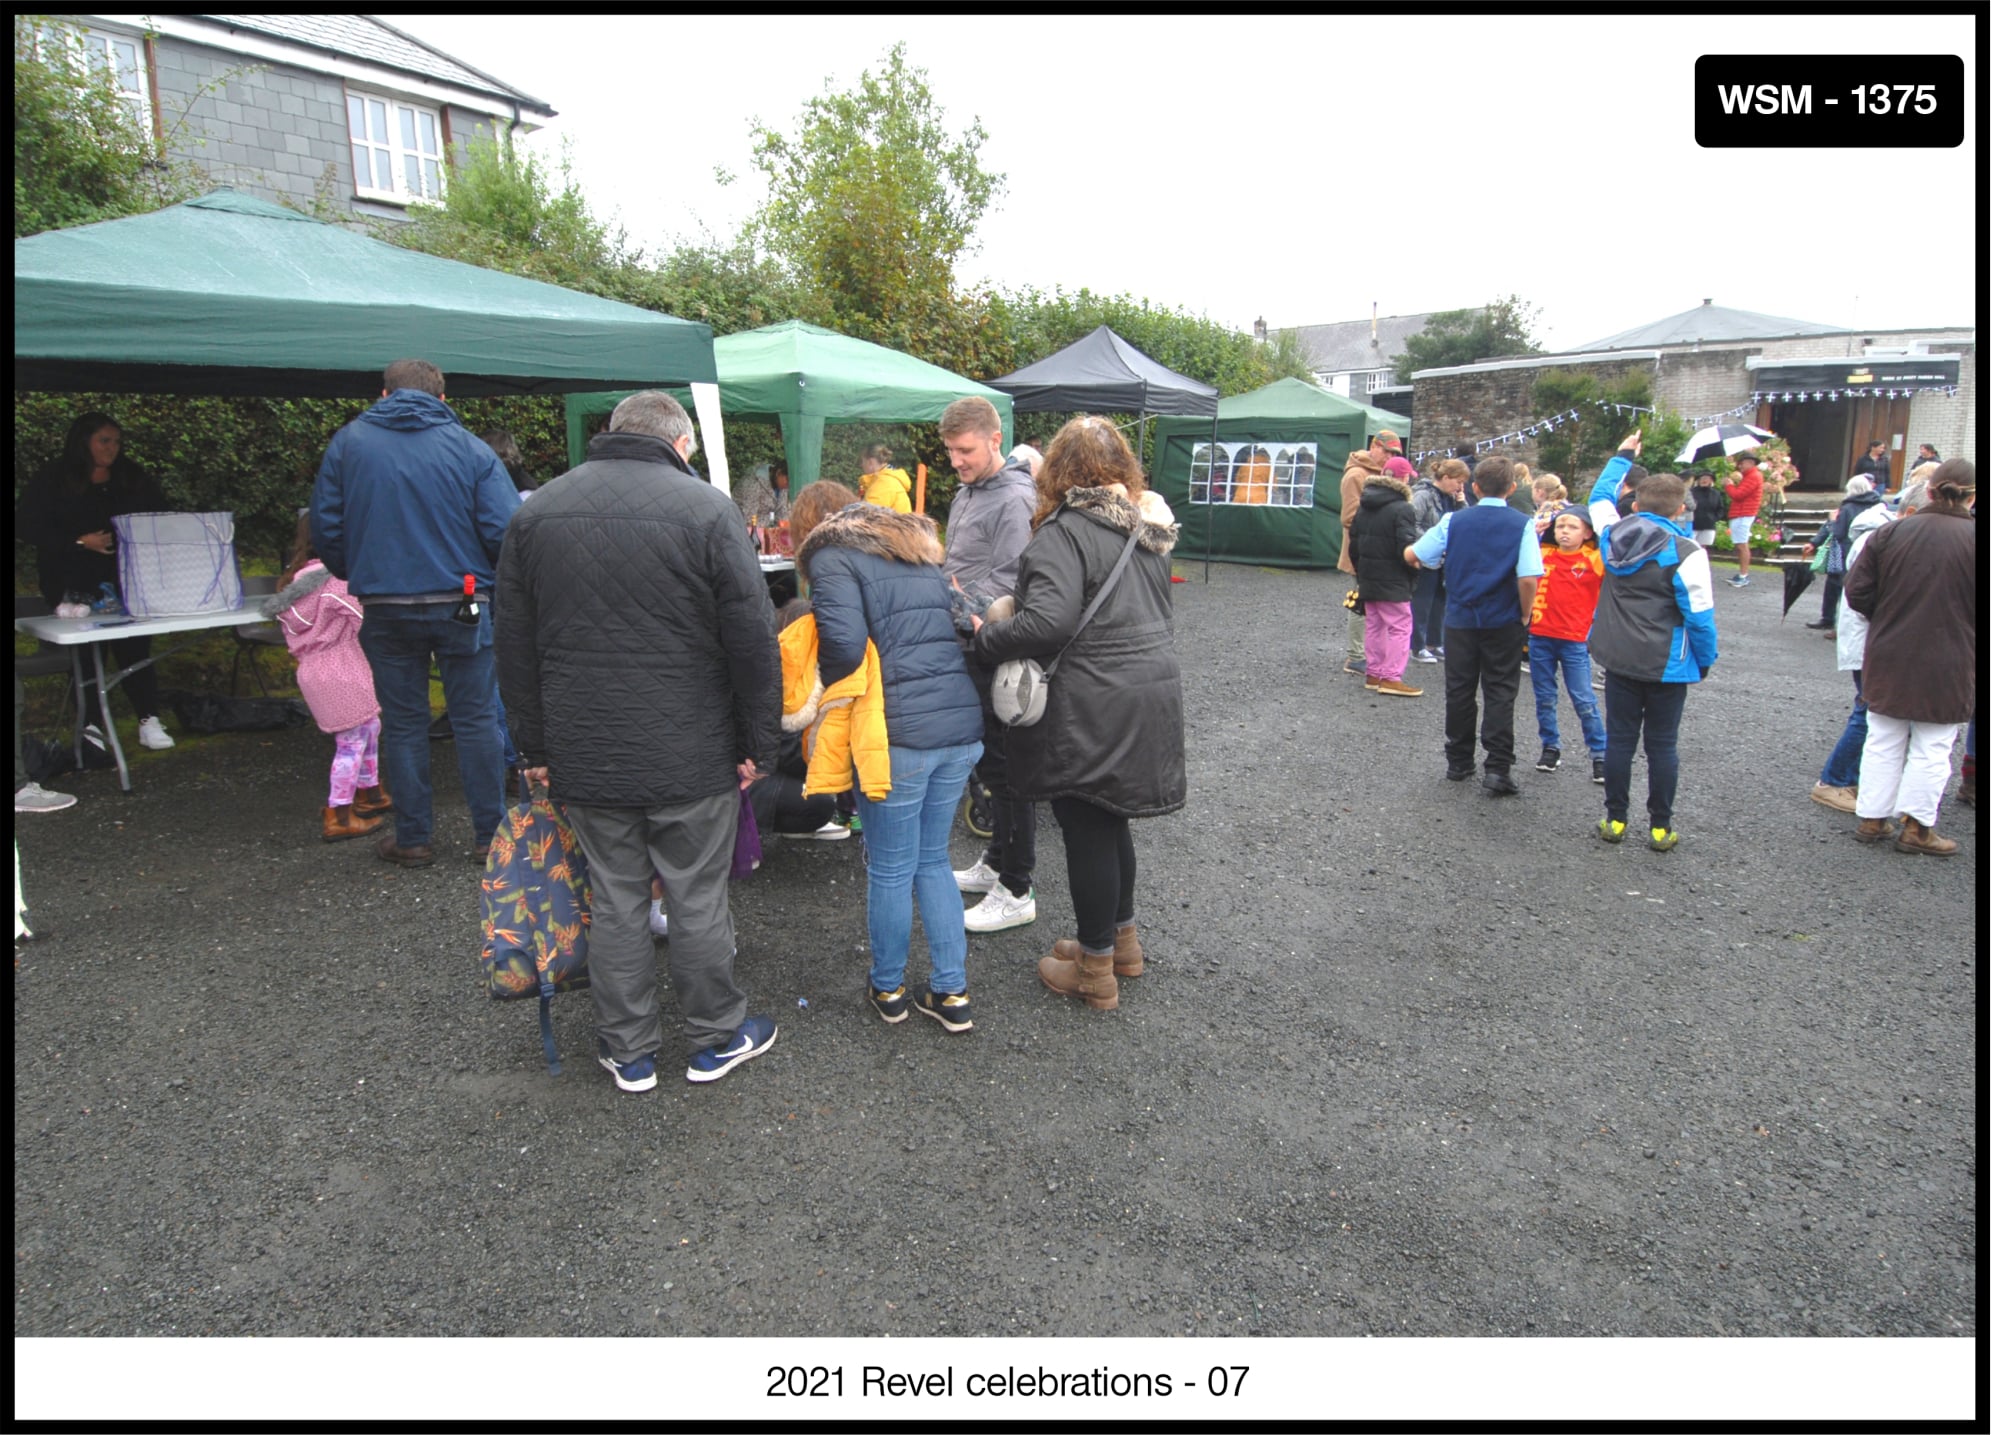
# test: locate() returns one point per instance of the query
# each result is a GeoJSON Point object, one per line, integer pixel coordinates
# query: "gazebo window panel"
{"type": "Point", "coordinates": [1253, 473]}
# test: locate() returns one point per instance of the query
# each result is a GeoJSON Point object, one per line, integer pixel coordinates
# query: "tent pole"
{"type": "Point", "coordinates": [1208, 520]}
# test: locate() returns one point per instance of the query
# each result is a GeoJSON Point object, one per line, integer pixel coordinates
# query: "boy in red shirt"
{"type": "Point", "coordinates": [1565, 604]}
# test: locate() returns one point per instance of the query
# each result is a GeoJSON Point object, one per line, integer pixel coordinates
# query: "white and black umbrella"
{"type": "Point", "coordinates": [1722, 440]}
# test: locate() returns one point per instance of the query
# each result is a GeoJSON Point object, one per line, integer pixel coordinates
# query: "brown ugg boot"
{"type": "Point", "coordinates": [337, 824]}
{"type": "Point", "coordinates": [1128, 958]}
{"type": "Point", "coordinates": [1075, 973]}
{"type": "Point", "coordinates": [1872, 829]}
{"type": "Point", "coordinates": [1918, 838]}
{"type": "Point", "coordinates": [370, 800]}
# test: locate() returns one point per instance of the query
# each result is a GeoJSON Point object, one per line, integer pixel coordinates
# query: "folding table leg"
{"type": "Point", "coordinates": [110, 727]}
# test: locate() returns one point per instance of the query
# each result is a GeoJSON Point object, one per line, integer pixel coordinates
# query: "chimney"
{"type": "Point", "coordinates": [1258, 329]}
{"type": "Point", "coordinates": [1373, 341]}
{"type": "Point", "coordinates": [1706, 302]}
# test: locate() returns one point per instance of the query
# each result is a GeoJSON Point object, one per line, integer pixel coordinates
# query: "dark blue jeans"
{"type": "Point", "coordinates": [1843, 764]}
{"type": "Point", "coordinates": [1636, 711]}
{"type": "Point", "coordinates": [1546, 658]}
{"type": "Point", "coordinates": [1427, 611]}
{"type": "Point", "coordinates": [400, 640]}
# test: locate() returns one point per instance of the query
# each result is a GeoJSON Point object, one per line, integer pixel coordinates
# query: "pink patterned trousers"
{"type": "Point", "coordinates": [353, 762]}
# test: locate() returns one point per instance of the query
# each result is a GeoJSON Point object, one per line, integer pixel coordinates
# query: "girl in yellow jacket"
{"type": "Point", "coordinates": [881, 485]}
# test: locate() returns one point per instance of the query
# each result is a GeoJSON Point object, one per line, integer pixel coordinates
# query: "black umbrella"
{"type": "Point", "coordinates": [1722, 440]}
{"type": "Point", "coordinates": [1798, 578]}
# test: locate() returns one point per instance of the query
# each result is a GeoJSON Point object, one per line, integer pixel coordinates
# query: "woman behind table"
{"type": "Point", "coordinates": [1109, 747]}
{"type": "Point", "coordinates": [66, 513]}
{"type": "Point", "coordinates": [322, 624]}
{"type": "Point", "coordinates": [1917, 583]}
{"type": "Point", "coordinates": [876, 577]}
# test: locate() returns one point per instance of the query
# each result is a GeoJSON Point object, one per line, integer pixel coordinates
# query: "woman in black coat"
{"type": "Point", "coordinates": [66, 513]}
{"type": "Point", "coordinates": [1109, 746]}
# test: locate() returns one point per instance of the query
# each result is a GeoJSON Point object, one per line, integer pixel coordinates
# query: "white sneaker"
{"type": "Point", "coordinates": [832, 832]}
{"type": "Point", "coordinates": [152, 735]}
{"type": "Point", "coordinates": [977, 878]}
{"type": "Point", "coordinates": [36, 798]}
{"type": "Point", "coordinates": [1000, 909]}
{"type": "Point", "coordinates": [94, 735]}
{"type": "Point", "coordinates": [656, 920]}
{"type": "Point", "coordinates": [1425, 655]}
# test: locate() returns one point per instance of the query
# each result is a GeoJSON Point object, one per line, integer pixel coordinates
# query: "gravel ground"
{"type": "Point", "coordinates": [1407, 1059]}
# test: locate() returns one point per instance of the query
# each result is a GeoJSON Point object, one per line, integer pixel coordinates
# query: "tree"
{"type": "Point", "coordinates": [1578, 450]}
{"type": "Point", "coordinates": [80, 154]}
{"type": "Point", "coordinates": [1465, 336]}
{"type": "Point", "coordinates": [871, 202]}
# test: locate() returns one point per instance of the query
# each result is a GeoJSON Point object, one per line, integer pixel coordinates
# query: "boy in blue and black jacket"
{"type": "Point", "coordinates": [1654, 635]}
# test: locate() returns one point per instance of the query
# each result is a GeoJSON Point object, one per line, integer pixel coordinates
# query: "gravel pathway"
{"type": "Point", "coordinates": [1407, 1059]}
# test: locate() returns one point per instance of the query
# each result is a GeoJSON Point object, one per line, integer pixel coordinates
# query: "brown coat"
{"type": "Point", "coordinates": [1916, 583]}
{"type": "Point", "coordinates": [1362, 465]}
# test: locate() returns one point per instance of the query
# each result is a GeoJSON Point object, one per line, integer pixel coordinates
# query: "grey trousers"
{"type": "Point", "coordinates": [690, 844]}
{"type": "Point", "coordinates": [1357, 630]}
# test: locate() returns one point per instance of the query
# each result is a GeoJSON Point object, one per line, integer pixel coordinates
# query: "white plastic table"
{"type": "Point", "coordinates": [93, 633]}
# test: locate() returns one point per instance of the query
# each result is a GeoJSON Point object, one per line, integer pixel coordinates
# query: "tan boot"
{"type": "Point", "coordinates": [1872, 829]}
{"type": "Point", "coordinates": [1128, 958]}
{"type": "Point", "coordinates": [1918, 838]}
{"type": "Point", "coordinates": [1075, 973]}
{"type": "Point", "coordinates": [370, 800]}
{"type": "Point", "coordinates": [337, 824]}
{"type": "Point", "coordinates": [1396, 688]}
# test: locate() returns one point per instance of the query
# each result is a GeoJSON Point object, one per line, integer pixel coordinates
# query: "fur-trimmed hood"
{"type": "Point", "coordinates": [1117, 512]}
{"type": "Point", "coordinates": [866, 528]}
{"type": "Point", "coordinates": [1383, 480]}
{"type": "Point", "coordinates": [311, 579]}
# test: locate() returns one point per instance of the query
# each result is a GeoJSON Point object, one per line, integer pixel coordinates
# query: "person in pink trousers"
{"type": "Point", "coordinates": [322, 624]}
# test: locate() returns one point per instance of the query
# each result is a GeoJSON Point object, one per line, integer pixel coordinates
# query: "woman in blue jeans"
{"type": "Point", "coordinates": [876, 578]}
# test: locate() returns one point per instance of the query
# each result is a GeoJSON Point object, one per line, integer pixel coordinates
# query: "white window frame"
{"type": "Point", "coordinates": [1381, 379]}
{"type": "Point", "coordinates": [1294, 471]}
{"type": "Point", "coordinates": [395, 130]}
{"type": "Point", "coordinates": [101, 47]}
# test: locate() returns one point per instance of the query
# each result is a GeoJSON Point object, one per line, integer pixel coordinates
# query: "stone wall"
{"type": "Point", "coordinates": [1452, 408]}
{"type": "Point", "coordinates": [267, 129]}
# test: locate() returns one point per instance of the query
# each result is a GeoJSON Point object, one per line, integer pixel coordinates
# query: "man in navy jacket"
{"type": "Point", "coordinates": [407, 507]}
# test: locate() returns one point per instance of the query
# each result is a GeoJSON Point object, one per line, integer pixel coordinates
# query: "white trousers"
{"type": "Point", "coordinates": [1904, 768]}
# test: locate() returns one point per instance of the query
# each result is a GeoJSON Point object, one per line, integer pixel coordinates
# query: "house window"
{"type": "Point", "coordinates": [1381, 379]}
{"type": "Point", "coordinates": [1279, 475]}
{"type": "Point", "coordinates": [121, 58]}
{"type": "Point", "coordinates": [398, 155]}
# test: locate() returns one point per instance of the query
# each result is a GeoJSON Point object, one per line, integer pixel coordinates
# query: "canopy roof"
{"type": "Point", "coordinates": [229, 295]}
{"type": "Point", "coordinates": [801, 375]}
{"type": "Point", "coordinates": [1296, 399]}
{"type": "Point", "coordinates": [1101, 371]}
{"type": "Point", "coordinates": [1707, 323]}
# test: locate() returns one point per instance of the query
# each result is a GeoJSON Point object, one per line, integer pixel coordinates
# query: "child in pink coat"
{"type": "Point", "coordinates": [322, 624]}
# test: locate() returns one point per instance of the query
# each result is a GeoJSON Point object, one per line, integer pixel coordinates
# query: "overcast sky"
{"type": "Point", "coordinates": [1301, 169]}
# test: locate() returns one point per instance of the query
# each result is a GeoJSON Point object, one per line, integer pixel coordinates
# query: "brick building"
{"type": "Point", "coordinates": [1827, 391]}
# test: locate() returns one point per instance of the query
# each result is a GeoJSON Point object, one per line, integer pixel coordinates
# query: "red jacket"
{"type": "Point", "coordinates": [1746, 495]}
{"type": "Point", "coordinates": [1566, 598]}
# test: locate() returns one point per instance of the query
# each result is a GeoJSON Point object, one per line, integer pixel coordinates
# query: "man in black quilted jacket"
{"type": "Point", "coordinates": [641, 679]}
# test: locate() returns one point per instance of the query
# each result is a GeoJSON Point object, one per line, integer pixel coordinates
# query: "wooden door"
{"type": "Point", "coordinates": [1880, 419]}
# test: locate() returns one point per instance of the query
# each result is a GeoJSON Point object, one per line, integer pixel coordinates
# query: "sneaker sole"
{"type": "Point", "coordinates": [733, 1062]}
{"type": "Point", "coordinates": [623, 1085]}
{"type": "Point", "coordinates": [1023, 920]}
{"type": "Point", "coordinates": [944, 1021]}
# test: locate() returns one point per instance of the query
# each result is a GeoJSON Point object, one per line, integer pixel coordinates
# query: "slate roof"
{"type": "Point", "coordinates": [1710, 324]}
{"type": "Point", "coordinates": [1344, 348]}
{"type": "Point", "coordinates": [364, 37]}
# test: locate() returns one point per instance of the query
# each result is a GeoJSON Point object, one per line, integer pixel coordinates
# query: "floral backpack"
{"type": "Point", "coordinates": [535, 904]}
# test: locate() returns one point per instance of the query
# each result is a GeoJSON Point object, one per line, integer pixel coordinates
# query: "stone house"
{"type": "Point", "coordinates": [1357, 357]}
{"type": "Point", "coordinates": [1828, 391]}
{"type": "Point", "coordinates": [299, 108]}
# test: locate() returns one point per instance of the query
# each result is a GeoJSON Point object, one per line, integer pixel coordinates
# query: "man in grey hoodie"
{"type": "Point", "coordinates": [984, 535]}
